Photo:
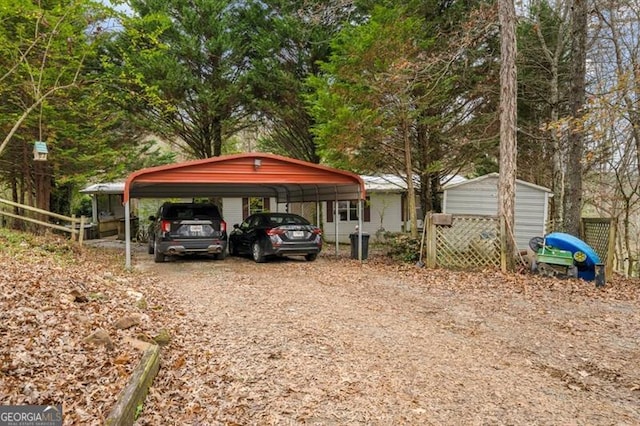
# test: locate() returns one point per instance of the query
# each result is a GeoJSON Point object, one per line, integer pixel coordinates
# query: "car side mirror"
{"type": "Point", "coordinates": [152, 218]}
{"type": "Point", "coordinates": [236, 226]}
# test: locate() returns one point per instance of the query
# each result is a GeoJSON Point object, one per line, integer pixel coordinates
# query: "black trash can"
{"type": "Point", "coordinates": [354, 245]}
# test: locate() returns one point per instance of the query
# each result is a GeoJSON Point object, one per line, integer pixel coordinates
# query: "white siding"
{"type": "Point", "coordinates": [385, 209]}
{"type": "Point", "coordinates": [385, 212]}
{"type": "Point", "coordinates": [232, 210]}
{"type": "Point", "coordinates": [530, 214]}
{"type": "Point", "coordinates": [475, 197]}
{"type": "Point", "coordinates": [480, 197]}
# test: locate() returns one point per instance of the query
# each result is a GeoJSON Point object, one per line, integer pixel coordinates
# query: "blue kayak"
{"type": "Point", "coordinates": [562, 241]}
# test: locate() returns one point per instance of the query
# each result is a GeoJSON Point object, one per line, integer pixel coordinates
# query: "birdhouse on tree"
{"type": "Point", "coordinates": [40, 151]}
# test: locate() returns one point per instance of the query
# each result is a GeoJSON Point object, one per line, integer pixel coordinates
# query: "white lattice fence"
{"type": "Point", "coordinates": [469, 242]}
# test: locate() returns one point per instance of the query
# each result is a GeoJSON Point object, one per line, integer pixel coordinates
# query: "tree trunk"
{"type": "Point", "coordinates": [554, 55]}
{"type": "Point", "coordinates": [217, 137]}
{"type": "Point", "coordinates": [26, 188]}
{"type": "Point", "coordinates": [508, 137]}
{"type": "Point", "coordinates": [436, 204]}
{"type": "Point", "coordinates": [410, 188]}
{"type": "Point", "coordinates": [636, 114]}
{"type": "Point", "coordinates": [573, 183]}
{"type": "Point", "coordinates": [42, 183]}
{"type": "Point", "coordinates": [558, 154]}
{"type": "Point", "coordinates": [628, 248]}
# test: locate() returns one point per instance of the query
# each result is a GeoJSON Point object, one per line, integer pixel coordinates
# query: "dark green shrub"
{"type": "Point", "coordinates": [83, 207]}
{"type": "Point", "coordinates": [402, 247]}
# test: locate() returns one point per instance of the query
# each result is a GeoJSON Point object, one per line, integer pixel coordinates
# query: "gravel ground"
{"type": "Point", "coordinates": [339, 342]}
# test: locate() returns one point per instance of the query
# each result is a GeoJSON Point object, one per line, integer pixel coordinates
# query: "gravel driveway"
{"type": "Point", "coordinates": [339, 342]}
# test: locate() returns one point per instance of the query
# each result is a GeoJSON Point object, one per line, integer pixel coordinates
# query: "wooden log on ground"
{"type": "Point", "coordinates": [134, 394]}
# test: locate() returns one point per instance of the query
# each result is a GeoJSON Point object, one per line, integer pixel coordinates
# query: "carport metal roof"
{"type": "Point", "coordinates": [246, 175]}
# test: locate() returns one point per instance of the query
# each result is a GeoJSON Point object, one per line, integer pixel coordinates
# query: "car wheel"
{"type": "Point", "coordinates": [222, 255]}
{"type": "Point", "coordinates": [158, 255]}
{"type": "Point", "coordinates": [150, 246]}
{"type": "Point", "coordinates": [257, 252]}
{"type": "Point", "coordinates": [311, 257]}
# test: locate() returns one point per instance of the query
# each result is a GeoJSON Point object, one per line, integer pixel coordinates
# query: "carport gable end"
{"type": "Point", "coordinates": [246, 175]}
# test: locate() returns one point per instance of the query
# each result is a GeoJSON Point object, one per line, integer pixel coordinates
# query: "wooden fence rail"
{"type": "Point", "coordinates": [77, 232]}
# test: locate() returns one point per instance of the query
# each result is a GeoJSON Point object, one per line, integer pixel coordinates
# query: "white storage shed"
{"type": "Point", "coordinates": [480, 197]}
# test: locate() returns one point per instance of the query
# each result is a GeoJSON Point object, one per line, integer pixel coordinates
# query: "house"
{"type": "Point", "coordinates": [480, 197]}
{"type": "Point", "coordinates": [106, 207]}
{"type": "Point", "coordinates": [385, 209]}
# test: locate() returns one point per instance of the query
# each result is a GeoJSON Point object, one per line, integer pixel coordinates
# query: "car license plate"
{"type": "Point", "coordinates": [196, 229]}
{"type": "Point", "coordinates": [298, 234]}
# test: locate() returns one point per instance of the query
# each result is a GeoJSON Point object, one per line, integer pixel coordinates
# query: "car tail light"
{"type": "Point", "coordinates": [317, 231]}
{"type": "Point", "coordinates": [274, 231]}
{"type": "Point", "coordinates": [223, 226]}
{"type": "Point", "coordinates": [165, 226]}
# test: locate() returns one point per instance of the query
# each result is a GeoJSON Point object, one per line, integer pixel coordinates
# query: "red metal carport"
{"type": "Point", "coordinates": [244, 175]}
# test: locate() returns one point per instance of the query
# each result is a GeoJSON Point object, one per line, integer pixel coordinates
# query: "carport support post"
{"type": "Point", "coordinates": [360, 210]}
{"type": "Point", "coordinates": [335, 224]}
{"type": "Point", "coordinates": [127, 235]}
{"type": "Point", "coordinates": [94, 211]}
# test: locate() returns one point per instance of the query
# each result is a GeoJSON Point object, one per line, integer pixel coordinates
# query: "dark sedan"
{"type": "Point", "coordinates": [275, 234]}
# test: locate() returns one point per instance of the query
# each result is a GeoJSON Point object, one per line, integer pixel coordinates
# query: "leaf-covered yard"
{"type": "Point", "coordinates": [72, 325]}
{"type": "Point", "coordinates": [326, 342]}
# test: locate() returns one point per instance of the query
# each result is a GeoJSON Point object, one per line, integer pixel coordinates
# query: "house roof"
{"type": "Point", "coordinates": [384, 183]}
{"type": "Point", "coordinates": [395, 183]}
{"type": "Point", "coordinates": [493, 176]}
{"type": "Point", "coordinates": [104, 188]}
{"type": "Point", "coordinates": [245, 175]}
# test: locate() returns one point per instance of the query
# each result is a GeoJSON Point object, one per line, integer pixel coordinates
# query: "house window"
{"type": "Point", "coordinates": [348, 211]}
{"type": "Point", "coordinates": [251, 205]}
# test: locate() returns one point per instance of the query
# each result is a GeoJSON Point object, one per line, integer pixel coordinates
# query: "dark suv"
{"type": "Point", "coordinates": [187, 228]}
